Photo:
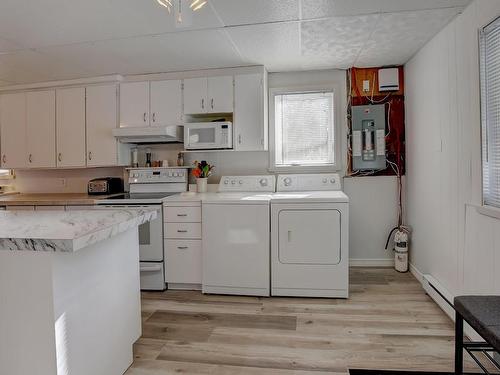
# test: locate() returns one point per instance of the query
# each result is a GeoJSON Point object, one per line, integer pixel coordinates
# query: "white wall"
{"type": "Point", "coordinates": [451, 241]}
{"type": "Point", "coordinates": [373, 199]}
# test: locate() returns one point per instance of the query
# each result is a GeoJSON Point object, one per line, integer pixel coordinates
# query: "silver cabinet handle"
{"type": "Point", "coordinates": [239, 139]}
{"type": "Point", "coordinates": [90, 155]}
{"type": "Point", "coordinates": [181, 231]}
{"type": "Point", "coordinates": [182, 247]}
{"type": "Point", "coordinates": [182, 215]}
{"type": "Point", "coordinates": [30, 158]}
{"type": "Point", "coordinates": [212, 103]}
{"type": "Point", "coordinates": [202, 103]}
{"type": "Point", "coordinates": [59, 157]}
{"type": "Point", "coordinates": [144, 116]}
{"type": "Point", "coordinates": [154, 116]}
{"type": "Point", "coordinates": [4, 158]}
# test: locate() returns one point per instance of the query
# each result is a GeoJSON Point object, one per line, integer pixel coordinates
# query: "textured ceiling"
{"type": "Point", "coordinates": [62, 39]}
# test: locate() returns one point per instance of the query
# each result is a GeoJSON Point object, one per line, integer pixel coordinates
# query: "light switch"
{"type": "Point", "coordinates": [366, 85]}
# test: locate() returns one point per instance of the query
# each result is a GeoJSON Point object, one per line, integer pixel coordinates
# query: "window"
{"type": "Point", "coordinates": [490, 112]}
{"type": "Point", "coordinates": [303, 129]}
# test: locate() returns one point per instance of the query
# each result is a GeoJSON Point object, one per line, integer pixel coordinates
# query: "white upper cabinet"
{"type": "Point", "coordinates": [208, 95]}
{"type": "Point", "coordinates": [102, 118]}
{"type": "Point", "coordinates": [166, 103]}
{"type": "Point", "coordinates": [220, 94]}
{"type": "Point", "coordinates": [134, 104]}
{"type": "Point", "coordinates": [13, 130]}
{"type": "Point", "coordinates": [41, 129]}
{"type": "Point", "coordinates": [195, 95]}
{"type": "Point", "coordinates": [70, 127]}
{"type": "Point", "coordinates": [250, 115]}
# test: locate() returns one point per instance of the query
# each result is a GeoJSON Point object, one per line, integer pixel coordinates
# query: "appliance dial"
{"type": "Point", "coordinates": [263, 182]}
{"type": "Point", "coordinates": [325, 180]}
{"type": "Point", "coordinates": [233, 182]}
{"type": "Point", "coordinates": [226, 182]}
{"type": "Point", "coordinates": [332, 180]}
{"type": "Point", "coordinates": [287, 181]}
{"type": "Point", "coordinates": [240, 182]}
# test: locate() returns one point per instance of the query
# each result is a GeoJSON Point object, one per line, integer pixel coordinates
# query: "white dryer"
{"type": "Point", "coordinates": [310, 234]}
{"type": "Point", "coordinates": [236, 236]}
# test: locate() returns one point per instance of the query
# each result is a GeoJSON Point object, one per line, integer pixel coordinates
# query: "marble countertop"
{"type": "Point", "coordinates": [66, 231]}
{"type": "Point", "coordinates": [51, 199]}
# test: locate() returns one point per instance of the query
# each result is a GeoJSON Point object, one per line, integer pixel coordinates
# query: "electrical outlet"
{"type": "Point", "coordinates": [366, 85]}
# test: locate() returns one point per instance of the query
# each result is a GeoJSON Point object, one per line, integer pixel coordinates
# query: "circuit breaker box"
{"type": "Point", "coordinates": [368, 137]}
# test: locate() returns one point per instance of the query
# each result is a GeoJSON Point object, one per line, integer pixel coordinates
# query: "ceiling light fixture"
{"type": "Point", "coordinates": [194, 6]}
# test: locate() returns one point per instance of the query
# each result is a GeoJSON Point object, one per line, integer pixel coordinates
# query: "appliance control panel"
{"type": "Point", "coordinates": [158, 175]}
{"type": "Point", "coordinates": [309, 182]}
{"type": "Point", "coordinates": [247, 183]}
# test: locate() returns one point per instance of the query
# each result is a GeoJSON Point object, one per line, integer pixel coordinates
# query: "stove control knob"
{"type": "Point", "coordinates": [240, 182]}
{"type": "Point", "coordinates": [226, 182]}
{"type": "Point", "coordinates": [181, 174]}
{"type": "Point", "coordinates": [325, 180]}
{"type": "Point", "coordinates": [263, 182]}
{"type": "Point", "coordinates": [287, 181]}
{"type": "Point", "coordinates": [332, 181]}
{"type": "Point", "coordinates": [175, 174]}
{"type": "Point", "coordinates": [233, 182]}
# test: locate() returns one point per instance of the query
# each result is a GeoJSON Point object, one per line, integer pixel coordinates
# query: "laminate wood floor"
{"type": "Point", "coordinates": [387, 323]}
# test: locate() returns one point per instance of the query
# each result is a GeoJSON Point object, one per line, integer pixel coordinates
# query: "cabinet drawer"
{"type": "Point", "coordinates": [183, 261]}
{"type": "Point", "coordinates": [182, 214]}
{"type": "Point", "coordinates": [182, 230]}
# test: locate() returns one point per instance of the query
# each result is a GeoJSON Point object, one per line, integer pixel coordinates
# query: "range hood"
{"type": "Point", "coordinates": [150, 134]}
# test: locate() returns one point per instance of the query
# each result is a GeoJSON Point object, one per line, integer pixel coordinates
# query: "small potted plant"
{"type": "Point", "coordinates": [201, 171]}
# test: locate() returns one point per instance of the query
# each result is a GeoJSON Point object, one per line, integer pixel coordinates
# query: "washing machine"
{"type": "Point", "coordinates": [236, 236]}
{"type": "Point", "coordinates": [310, 237]}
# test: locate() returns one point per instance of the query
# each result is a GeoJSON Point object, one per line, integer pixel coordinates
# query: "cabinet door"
{"type": "Point", "coordinates": [220, 94]}
{"type": "Point", "coordinates": [249, 118]}
{"type": "Point", "coordinates": [70, 127]}
{"type": "Point", "coordinates": [41, 129]}
{"type": "Point", "coordinates": [195, 96]}
{"type": "Point", "coordinates": [13, 130]}
{"type": "Point", "coordinates": [101, 120]}
{"type": "Point", "coordinates": [166, 103]}
{"type": "Point", "coordinates": [134, 104]}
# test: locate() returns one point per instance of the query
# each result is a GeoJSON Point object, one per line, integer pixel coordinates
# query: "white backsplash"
{"type": "Point", "coordinates": [61, 180]}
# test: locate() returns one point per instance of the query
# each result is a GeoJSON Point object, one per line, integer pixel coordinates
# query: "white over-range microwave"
{"type": "Point", "coordinates": [208, 135]}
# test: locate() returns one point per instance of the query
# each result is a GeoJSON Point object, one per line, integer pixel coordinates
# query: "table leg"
{"type": "Point", "coordinates": [459, 348]}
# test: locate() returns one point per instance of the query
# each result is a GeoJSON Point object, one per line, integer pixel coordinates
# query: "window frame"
{"type": "Point", "coordinates": [485, 209]}
{"type": "Point", "coordinates": [337, 125]}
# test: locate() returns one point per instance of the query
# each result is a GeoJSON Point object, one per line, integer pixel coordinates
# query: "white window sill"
{"type": "Point", "coordinates": [489, 211]}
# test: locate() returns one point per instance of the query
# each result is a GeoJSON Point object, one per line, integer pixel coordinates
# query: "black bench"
{"type": "Point", "coordinates": [482, 313]}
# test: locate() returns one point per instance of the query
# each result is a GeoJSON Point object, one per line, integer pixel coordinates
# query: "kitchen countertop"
{"type": "Point", "coordinates": [66, 231]}
{"type": "Point", "coordinates": [51, 199]}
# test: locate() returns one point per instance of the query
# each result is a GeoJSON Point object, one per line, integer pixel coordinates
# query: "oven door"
{"type": "Point", "coordinates": [151, 240]}
{"type": "Point", "coordinates": [202, 137]}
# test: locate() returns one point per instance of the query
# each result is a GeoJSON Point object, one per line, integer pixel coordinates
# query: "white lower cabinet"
{"type": "Point", "coordinates": [184, 261]}
{"type": "Point", "coordinates": [183, 247]}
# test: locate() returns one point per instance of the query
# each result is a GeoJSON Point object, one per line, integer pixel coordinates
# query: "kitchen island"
{"type": "Point", "coordinates": [69, 291]}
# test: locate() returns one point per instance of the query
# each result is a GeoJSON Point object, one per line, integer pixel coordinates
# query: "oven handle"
{"type": "Point", "coordinates": [154, 268]}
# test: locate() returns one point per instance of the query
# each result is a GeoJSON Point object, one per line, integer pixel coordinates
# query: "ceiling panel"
{"type": "Point", "coordinates": [414, 29]}
{"type": "Point", "coordinates": [55, 22]}
{"type": "Point", "coordinates": [161, 53]}
{"type": "Point", "coordinates": [242, 12]}
{"type": "Point", "coordinates": [30, 66]}
{"type": "Point", "coordinates": [336, 42]}
{"type": "Point", "coordinates": [334, 8]}
{"type": "Point", "coordinates": [277, 46]}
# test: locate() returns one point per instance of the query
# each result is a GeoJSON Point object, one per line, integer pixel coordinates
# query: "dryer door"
{"type": "Point", "coordinates": [309, 236]}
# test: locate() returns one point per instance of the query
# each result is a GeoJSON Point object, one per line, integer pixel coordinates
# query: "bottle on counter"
{"type": "Point", "coordinates": [180, 159]}
{"type": "Point", "coordinates": [148, 158]}
{"type": "Point", "coordinates": [135, 158]}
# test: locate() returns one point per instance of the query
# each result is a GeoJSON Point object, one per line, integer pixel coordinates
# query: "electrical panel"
{"type": "Point", "coordinates": [368, 137]}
